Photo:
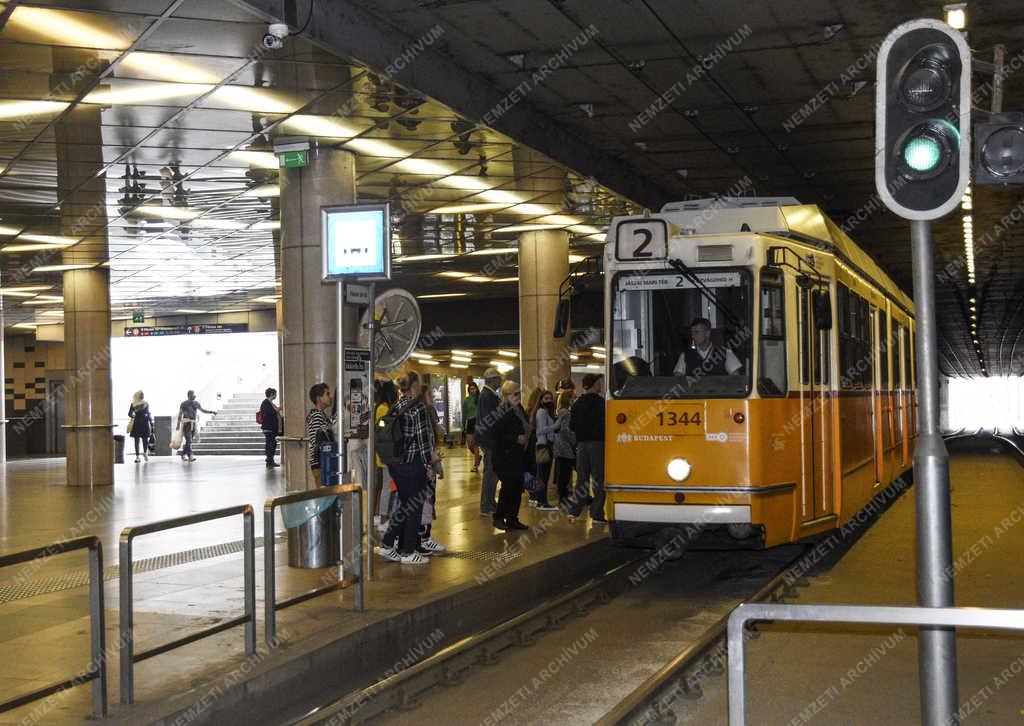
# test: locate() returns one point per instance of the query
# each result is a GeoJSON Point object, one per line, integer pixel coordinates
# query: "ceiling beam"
{"type": "Point", "coordinates": [350, 31]}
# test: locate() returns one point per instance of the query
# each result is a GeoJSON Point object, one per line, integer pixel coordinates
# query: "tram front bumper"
{"type": "Point", "coordinates": [681, 513]}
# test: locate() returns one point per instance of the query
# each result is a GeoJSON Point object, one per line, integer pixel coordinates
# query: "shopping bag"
{"type": "Point", "coordinates": [176, 438]}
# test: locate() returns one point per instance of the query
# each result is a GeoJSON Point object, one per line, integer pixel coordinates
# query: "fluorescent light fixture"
{"type": "Point", "coordinates": [190, 311]}
{"type": "Point", "coordinates": [37, 301]}
{"type": "Point", "coordinates": [459, 365]}
{"type": "Point", "coordinates": [496, 251]}
{"type": "Point", "coordinates": [461, 359]}
{"type": "Point", "coordinates": [53, 313]}
{"type": "Point", "coordinates": [5, 230]}
{"type": "Point", "coordinates": [599, 356]}
{"type": "Point", "coordinates": [27, 109]}
{"type": "Point", "coordinates": [376, 147]}
{"type": "Point", "coordinates": [127, 93]}
{"type": "Point", "coordinates": [428, 356]}
{"type": "Point", "coordinates": [325, 126]}
{"type": "Point", "coordinates": [267, 299]}
{"type": "Point", "coordinates": [162, 212]}
{"type": "Point", "coordinates": [47, 239]}
{"type": "Point", "coordinates": [268, 224]}
{"type": "Point", "coordinates": [527, 228]}
{"type": "Point", "coordinates": [600, 348]}
{"type": "Point", "coordinates": [437, 295]}
{"type": "Point", "coordinates": [467, 208]}
{"type": "Point", "coordinates": [422, 258]}
{"type": "Point", "coordinates": [29, 248]}
{"type": "Point", "coordinates": [247, 98]}
{"type": "Point", "coordinates": [956, 15]}
{"type": "Point", "coordinates": [32, 288]}
{"type": "Point", "coordinates": [426, 362]}
{"type": "Point", "coordinates": [595, 367]}
{"type": "Point", "coordinates": [212, 223]}
{"type": "Point", "coordinates": [264, 191]}
{"type": "Point", "coordinates": [505, 279]}
{"type": "Point", "coordinates": [168, 67]}
{"type": "Point", "coordinates": [576, 258]}
{"type": "Point", "coordinates": [462, 352]}
{"type": "Point", "coordinates": [454, 273]}
{"type": "Point", "coordinates": [261, 159]}
{"type": "Point", "coordinates": [63, 268]}
{"type": "Point", "coordinates": [573, 356]}
{"type": "Point", "coordinates": [508, 354]}
{"type": "Point", "coordinates": [15, 293]}
{"type": "Point", "coordinates": [29, 326]}
{"type": "Point", "coordinates": [477, 278]}
{"type": "Point", "coordinates": [68, 28]}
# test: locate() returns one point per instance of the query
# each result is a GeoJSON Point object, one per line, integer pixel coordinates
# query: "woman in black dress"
{"type": "Point", "coordinates": [510, 434]}
{"type": "Point", "coordinates": [141, 424]}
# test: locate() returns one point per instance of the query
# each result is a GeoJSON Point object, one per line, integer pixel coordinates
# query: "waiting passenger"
{"type": "Point", "coordinates": [486, 415]}
{"type": "Point", "coordinates": [140, 424]}
{"type": "Point", "coordinates": [469, 406]}
{"type": "Point", "coordinates": [510, 436]}
{"type": "Point", "coordinates": [587, 422]}
{"type": "Point", "coordinates": [564, 448]}
{"type": "Point", "coordinates": [319, 426]}
{"type": "Point", "coordinates": [545, 425]}
{"type": "Point", "coordinates": [386, 395]}
{"type": "Point", "coordinates": [427, 542]}
{"type": "Point", "coordinates": [270, 424]}
{"type": "Point", "coordinates": [188, 415]}
{"type": "Point", "coordinates": [401, 542]}
{"type": "Point", "coordinates": [704, 358]}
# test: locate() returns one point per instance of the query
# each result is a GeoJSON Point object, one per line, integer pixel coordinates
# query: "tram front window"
{"type": "Point", "coordinates": [675, 338]}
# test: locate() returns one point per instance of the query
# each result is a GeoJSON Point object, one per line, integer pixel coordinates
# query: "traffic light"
{"type": "Point", "coordinates": [923, 119]}
{"type": "Point", "coordinates": [999, 150]}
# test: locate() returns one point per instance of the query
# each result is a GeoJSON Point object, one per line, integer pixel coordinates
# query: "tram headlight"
{"type": "Point", "coordinates": [679, 469]}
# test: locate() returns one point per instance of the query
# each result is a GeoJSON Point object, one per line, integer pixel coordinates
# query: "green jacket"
{"type": "Point", "coordinates": [469, 407]}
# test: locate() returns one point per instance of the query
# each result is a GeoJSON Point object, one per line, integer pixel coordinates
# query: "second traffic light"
{"type": "Point", "coordinates": [922, 121]}
{"type": "Point", "coordinates": [999, 150]}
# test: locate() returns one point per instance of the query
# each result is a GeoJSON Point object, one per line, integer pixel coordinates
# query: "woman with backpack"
{"type": "Point", "coordinates": [564, 448]}
{"type": "Point", "coordinates": [140, 424]}
{"type": "Point", "coordinates": [386, 395]}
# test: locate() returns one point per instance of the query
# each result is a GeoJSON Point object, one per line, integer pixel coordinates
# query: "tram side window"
{"type": "Point", "coordinates": [883, 349]}
{"type": "Point", "coordinates": [908, 355]}
{"type": "Point", "coordinates": [771, 380]}
{"type": "Point", "coordinates": [899, 371]}
{"type": "Point", "coordinates": [854, 341]}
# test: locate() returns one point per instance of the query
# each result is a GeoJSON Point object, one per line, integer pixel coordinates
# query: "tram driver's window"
{"type": "Point", "coordinates": [771, 380]}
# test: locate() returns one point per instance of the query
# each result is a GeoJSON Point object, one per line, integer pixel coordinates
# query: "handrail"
{"type": "Point", "coordinates": [270, 604]}
{"type": "Point", "coordinates": [96, 671]}
{"type": "Point", "coordinates": [872, 614]}
{"type": "Point", "coordinates": [128, 656]}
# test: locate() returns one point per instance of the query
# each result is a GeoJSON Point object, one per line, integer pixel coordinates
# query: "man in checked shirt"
{"type": "Point", "coordinates": [401, 543]}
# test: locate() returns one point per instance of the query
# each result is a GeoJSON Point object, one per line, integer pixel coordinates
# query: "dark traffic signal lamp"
{"type": "Point", "coordinates": [999, 150]}
{"type": "Point", "coordinates": [922, 121]}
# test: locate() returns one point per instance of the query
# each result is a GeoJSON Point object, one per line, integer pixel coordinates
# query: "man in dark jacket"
{"type": "Point", "coordinates": [587, 422]}
{"type": "Point", "coordinates": [270, 422]}
{"type": "Point", "coordinates": [486, 417]}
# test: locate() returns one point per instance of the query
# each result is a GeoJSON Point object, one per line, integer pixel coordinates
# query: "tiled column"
{"type": "Point", "coordinates": [543, 264]}
{"type": "Point", "coordinates": [87, 418]}
{"type": "Point", "coordinates": [309, 320]}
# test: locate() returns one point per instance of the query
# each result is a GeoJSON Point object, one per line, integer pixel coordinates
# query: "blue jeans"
{"type": "Point", "coordinates": [404, 525]}
{"type": "Point", "coordinates": [589, 465]}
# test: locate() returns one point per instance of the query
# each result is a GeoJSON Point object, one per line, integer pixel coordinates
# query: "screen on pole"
{"type": "Point", "coordinates": [356, 241]}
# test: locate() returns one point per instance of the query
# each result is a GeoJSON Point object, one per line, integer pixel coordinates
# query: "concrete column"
{"type": "Point", "coordinates": [87, 409]}
{"type": "Point", "coordinates": [309, 320]}
{"type": "Point", "coordinates": [543, 264]}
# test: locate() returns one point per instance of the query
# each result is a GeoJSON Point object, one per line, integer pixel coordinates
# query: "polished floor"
{"type": "Point", "coordinates": [44, 609]}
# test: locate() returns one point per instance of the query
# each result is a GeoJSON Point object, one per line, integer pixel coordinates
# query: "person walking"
{"type": "Point", "coordinates": [270, 424]}
{"type": "Point", "coordinates": [188, 416]}
{"type": "Point", "coordinates": [564, 448]}
{"type": "Point", "coordinates": [486, 415]}
{"type": "Point", "coordinates": [545, 425]}
{"type": "Point", "coordinates": [319, 426]}
{"type": "Point", "coordinates": [511, 436]}
{"type": "Point", "coordinates": [469, 409]}
{"type": "Point", "coordinates": [427, 542]}
{"type": "Point", "coordinates": [587, 421]}
{"type": "Point", "coordinates": [140, 424]}
{"type": "Point", "coordinates": [401, 542]}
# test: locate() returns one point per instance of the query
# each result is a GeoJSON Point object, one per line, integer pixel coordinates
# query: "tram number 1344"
{"type": "Point", "coordinates": [671, 418]}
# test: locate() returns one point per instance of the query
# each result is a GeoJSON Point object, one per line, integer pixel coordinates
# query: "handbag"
{"type": "Point", "coordinates": [543, 455]}
{"type": "Point", "coordinates": [176, 438]}
{"type": "Point", "coordinates": [130, 426]}
{"type": "Point", "coordinates": [533, 484]}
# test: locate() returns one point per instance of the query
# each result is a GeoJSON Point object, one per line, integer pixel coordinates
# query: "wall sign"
{"type": "Point", "coordinates": [357, 393]}
{"type": "Point", "coordinates": [199, 329]}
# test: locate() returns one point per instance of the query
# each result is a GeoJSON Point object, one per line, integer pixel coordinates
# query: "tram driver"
{"type": "Point", "coordinates": [705, 358]}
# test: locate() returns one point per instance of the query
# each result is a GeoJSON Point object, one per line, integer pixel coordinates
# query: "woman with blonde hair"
{"type": "Point", "coordinates": [511, 435]}
{"type": "Point", "coordinates": [140, 424]}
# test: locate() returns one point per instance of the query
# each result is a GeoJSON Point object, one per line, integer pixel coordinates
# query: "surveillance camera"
{"type": "Point", "coordinates": [274, 38]}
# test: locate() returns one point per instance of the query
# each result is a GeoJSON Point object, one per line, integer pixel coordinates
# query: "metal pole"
{"type": "Point", "coordinates": [937, 654]}
{"type": "Point", "coordinates": [126, 617]}
{"type": "Point", "coordinates": [356, 520]}
{"type": "Point", "coordinates": [371, 444]}
{"type": "Point", "coordinates": [269, 589]}
{"type": "Point", "coordinates": [97, 630]}
{"type": "Point", "coordinates": [3, 409]}
{"type": "Point", "coordinates": [249, 543]}
{"type": "Point", "coordinates": [339, 395]}
{"type": "Point", "coordinates": [998, 59]}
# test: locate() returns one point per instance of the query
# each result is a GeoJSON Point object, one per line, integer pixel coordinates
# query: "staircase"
{"type": "Point", "coordinates": [233, 430]}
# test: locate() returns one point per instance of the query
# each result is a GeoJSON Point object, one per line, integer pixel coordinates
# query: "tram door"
{"type": "Point", "coordinates": [816, 413]}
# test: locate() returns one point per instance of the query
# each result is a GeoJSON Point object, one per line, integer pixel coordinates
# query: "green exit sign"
{"type": "Point", "coordinates": [137, 317]}
{"type": "Point", "coordinates": [293, 159]}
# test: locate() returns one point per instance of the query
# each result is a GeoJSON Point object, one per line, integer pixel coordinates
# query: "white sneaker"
{"type": "Point", "coordinates": [433, 545]}
{"type": "Point", "coordinates": [136, 460]}
{"type": "Point", "coordinates": [388, 553]}
{"type": "Point", "coordinates": [547, 508]}
{"type": "Point", "coordinates": [146, 457]}
{"type": "Point", "coordinates": [414, 558]}
{"type": "Point", "coordinates": [531, 503]}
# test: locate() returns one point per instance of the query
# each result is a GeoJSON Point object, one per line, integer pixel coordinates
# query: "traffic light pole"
{"type": "Point", "coordinates": [937, 647]}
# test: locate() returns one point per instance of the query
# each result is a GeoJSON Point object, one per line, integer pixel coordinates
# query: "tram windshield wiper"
{"type": "Point", "coordinates": [705, 292]}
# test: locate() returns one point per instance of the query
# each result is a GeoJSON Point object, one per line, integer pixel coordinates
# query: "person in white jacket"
{"type": "Point", "coordinates": [545, 424]}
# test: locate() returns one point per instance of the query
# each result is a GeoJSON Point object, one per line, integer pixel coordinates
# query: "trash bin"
{"type": "Point", "coordinates": [118, 449]}
{"type": "Point", "coordinates": [162, 435]}
{"type": "Point", "coordinates": [316, 540]}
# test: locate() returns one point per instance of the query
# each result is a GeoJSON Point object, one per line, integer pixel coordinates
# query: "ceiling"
{"type": "Point", "coordinates": [764, 99]}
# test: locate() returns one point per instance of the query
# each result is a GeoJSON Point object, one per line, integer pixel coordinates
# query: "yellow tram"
{"type": "Point", "coordinates": [798, 405]}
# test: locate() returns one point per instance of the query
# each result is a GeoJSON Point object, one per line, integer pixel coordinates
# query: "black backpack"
{"type": "Point", "coordinates": [388, 439]}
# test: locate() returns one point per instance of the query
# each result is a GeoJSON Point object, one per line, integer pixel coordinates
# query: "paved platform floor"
{"type": "Point", "coordinates": [45, 636]}
{"type": "Point", "coordinates": [849, 676]}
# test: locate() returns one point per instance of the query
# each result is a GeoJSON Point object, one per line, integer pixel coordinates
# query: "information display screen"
{"type": "Point", "coordinates": [356, 241]}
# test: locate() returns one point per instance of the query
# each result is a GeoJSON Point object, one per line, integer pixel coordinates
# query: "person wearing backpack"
{"type": "Point", "coordinates": [386, 395]}
{"type": "Point", "coordinates": [405, 440]}
{"type": "Point", "coordinates": [269, 419]}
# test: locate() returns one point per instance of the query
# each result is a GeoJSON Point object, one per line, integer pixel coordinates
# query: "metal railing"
{"type": "Point", "coordinates": [870, 614]}
{"type": "Point", "coordinates": [128, 655]}
{"type": "Point", "coordinates": [96, 671]}
{"type": "Point", "coordinates": [355, 517]}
